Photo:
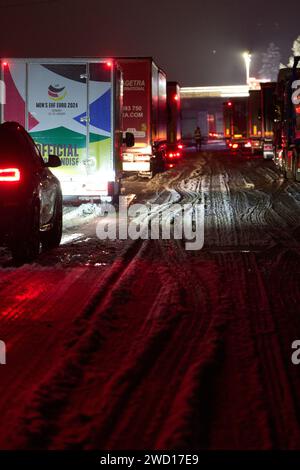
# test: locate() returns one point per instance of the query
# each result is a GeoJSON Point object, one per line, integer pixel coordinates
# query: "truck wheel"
{"type": "Point", "coordinates": [288, 173]}
{"type": "Point", "coordinates": [52, 238]}
{"type": "Point", "coordinates": [296, 161]}
{"type": "Point", "coordinates": [25, 246]}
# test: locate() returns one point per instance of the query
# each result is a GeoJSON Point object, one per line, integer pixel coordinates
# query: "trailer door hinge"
{"type": "Point", "coordinates": [84, 119]}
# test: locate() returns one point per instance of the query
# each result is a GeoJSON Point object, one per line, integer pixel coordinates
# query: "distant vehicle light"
{"type": "Point", "coordinates": [10, 174]}
{"type": "Point", "coordinates": [248, 144]}
{"type": "Point", "coordinates": [229, 104]}
{"type": "Point", "coordinates": [230, 144]}
{"type": "Point", "coordinates": [5, 64]}
{"type": "Point", "coordinates": [180, 146]}
{"type": "Point", "coordinates": [176, 97]}
{"type": "Point", "coordinates": [234, 146]}
{"type": "Point", "coordinates": [109, 63]}
{"type": "Point", "coordinates": [171, 155]}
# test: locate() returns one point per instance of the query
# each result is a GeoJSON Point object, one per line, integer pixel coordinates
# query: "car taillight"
{"type": "Point", "coordinates": [234, 146]}
{"type": "Point", "coordinates": [10, 174]}
{"type": "Point", "coordinates": [248, 144]}
{"type": "Point", "coordinates": [180, 146]}
{"type": "Point", "coordinates": [171, 155]}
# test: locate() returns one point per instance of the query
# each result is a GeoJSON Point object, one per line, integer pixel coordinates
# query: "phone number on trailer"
{"type": "Point", "coordinates": [150, 459]}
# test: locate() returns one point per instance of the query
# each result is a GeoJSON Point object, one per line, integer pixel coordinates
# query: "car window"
{"type": "Point", "coordinates": [18, 147]}
{"type": "Point", "coordinates": [37, 158]}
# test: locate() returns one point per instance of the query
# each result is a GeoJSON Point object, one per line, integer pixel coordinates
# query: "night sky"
{"type": "Point", "coordinates": [196, 42]}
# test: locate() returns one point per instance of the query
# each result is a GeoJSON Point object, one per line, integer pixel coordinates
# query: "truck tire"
{"type": "Point", "coordinates": [288, 173]}
{"type": "Point", "coordinates": [296, 163]}
{"type": "Point", "coordinates": [25, 246]}
{"type": "Point", "coordinates": [157, 166]}
{"type": "Point", "coordinates": [52, 238]}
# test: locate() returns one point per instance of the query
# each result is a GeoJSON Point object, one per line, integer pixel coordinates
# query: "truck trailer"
{"type": "Point", "coordinates": [72, 108]}
{"type": "Point", "coordinates": [287, 121]}
{"type": "Point", "coordinates": [235, 114]}
{"type": "Point", "coordinates": [173, 114]}
{"type": "Point", "coordinates": [144, 114]}
{"type": "Point", "coordinates": [267, 108]}
{"type": "Point", "coordinates": [255, 121]}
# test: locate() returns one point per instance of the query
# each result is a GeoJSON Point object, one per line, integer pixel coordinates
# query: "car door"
{"type": "Point", "coordinates": [47, 184]}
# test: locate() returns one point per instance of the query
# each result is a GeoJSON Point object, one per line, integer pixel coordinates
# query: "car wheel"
{"type": "Point", "coordinates": [25, 245]}
{"type": "Point", "coordinates": [52, 238]}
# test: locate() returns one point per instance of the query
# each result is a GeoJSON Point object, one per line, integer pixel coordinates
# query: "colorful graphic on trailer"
{"type": "Point", "coordinates": [56, 93]}
{"type": "Point", "coordinates": [57, 114]}
{"type": "Point", "coordinates": [136, 104]}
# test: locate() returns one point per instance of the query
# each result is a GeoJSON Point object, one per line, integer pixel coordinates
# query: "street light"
{"type": "Point", "coordinates": [247, 59]}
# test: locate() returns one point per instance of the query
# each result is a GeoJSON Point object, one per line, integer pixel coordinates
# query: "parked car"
{"type": "Point", "coordinates": [30, 195]}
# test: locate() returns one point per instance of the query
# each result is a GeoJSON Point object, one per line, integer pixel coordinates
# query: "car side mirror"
{"type": "Point", "coordinates": [129, 139]}
{"type": "Point", "coordinates": [53, 161]}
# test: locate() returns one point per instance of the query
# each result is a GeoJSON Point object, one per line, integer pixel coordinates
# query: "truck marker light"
{"type": "Point", "coordinates": [10, 174]}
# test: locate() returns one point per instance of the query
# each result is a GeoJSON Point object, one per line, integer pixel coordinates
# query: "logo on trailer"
{"type": "Point", "coordinates": [57, 93]}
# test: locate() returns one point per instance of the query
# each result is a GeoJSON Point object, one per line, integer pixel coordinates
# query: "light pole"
{"type": "Point", "coordinates": [247, 59]}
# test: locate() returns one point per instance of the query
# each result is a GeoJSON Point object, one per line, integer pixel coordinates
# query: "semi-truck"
{"type": "Point", "coordinates": [255, 121]}
{"type": "Point", "coordinates": [267, 117]}
{"type": "Point", "coordinates": [287, 121]}
{"type": "Point", "coordinates": [72, 108]}
{"type": "Point", "coordinates": [144, 114]}
{"type": "Point", "coordinates": [173, 146]}
{"type": "Point", "coordinates": [173, 113]}
{"type": "Point", "coordinates": [235, 113]}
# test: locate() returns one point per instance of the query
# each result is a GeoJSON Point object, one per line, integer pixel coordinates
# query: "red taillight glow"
{"type": "Point", "coordinates": [230, 144]}
{"type": "Point", "coordinates": [171, 155]}
{"type": "Point", "coordinates": [5, 64]}
{"type": "Point", "coordinates": [248, 144]}
{"type": "Point", "coordinates": [10, 174]}
{"type": "Point", "coordinates": [109, 64]}
{"type": "Point", "coordinates": [180, 146]}
{"type": "Point", "coordinates": [229, 104]}
{"type": "Point", "coordinates": [176, 97]}
{"type": "Point", "coordinates": [234, 146]}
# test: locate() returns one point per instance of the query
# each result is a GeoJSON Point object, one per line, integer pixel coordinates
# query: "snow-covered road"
{"type": "Point", "coordinates": [142, 344]}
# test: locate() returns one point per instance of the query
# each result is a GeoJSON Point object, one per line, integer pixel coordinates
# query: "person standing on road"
{"type": "Point", "coordinates": [198, 138]}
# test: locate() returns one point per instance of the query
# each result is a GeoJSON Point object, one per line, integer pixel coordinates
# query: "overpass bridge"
{"type": "Point", "coordinates": [203, 106]}
{"type": "Point", "coordinates": [227, 91]}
